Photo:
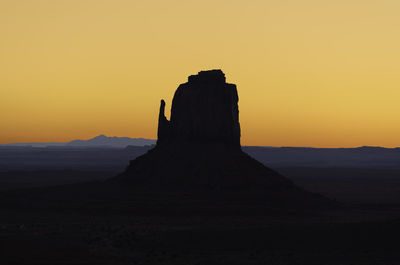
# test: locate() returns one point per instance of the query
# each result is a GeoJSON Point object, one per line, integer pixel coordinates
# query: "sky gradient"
{"type": "Point", "coordinates": [309, 73]}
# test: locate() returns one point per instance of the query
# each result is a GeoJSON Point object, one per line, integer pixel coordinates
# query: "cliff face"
{"type": "Point", "coordinates": [205, 110]}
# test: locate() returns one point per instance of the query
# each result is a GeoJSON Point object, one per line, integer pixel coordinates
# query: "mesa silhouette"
{"type": "Point", "coordinates": [198, 149]}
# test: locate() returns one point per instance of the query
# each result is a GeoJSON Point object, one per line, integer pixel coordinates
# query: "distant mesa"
{"type": "Point", "coordinates": [198, 149]}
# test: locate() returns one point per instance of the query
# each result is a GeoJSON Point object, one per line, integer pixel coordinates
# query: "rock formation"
{"type": "Point", "coordinates": [205, 109]}
{"type": "Point", "coordinates": [198, 149]}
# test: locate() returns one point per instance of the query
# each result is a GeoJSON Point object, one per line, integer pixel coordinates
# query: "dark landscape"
{"type": "Point", "coordinates": [197, 197]}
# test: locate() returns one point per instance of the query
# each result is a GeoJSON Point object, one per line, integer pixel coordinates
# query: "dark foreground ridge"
{"type": "Point", "coordinates": [198, 149]}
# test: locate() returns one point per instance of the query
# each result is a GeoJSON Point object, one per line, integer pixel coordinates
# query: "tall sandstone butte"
{"type": "Point", "coordinates": [205, 109]}
{"type": "Point", "coordinates": [198, 150]}
{"type": "Point", "coordinates": [199, 147]}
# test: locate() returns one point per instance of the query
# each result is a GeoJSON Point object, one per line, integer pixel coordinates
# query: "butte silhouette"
{"type": "Point", "coordinates": [198, 150]}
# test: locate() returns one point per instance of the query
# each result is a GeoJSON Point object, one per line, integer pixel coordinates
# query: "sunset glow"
{"type": "Point", "coordinates": [309, 73]}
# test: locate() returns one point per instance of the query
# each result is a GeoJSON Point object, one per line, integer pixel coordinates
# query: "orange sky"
{"type": "Point", "coordinates": [309, 73]}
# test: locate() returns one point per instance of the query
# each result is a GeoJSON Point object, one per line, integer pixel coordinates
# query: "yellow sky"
{"type": "Point", "coordinates": [309, 73]}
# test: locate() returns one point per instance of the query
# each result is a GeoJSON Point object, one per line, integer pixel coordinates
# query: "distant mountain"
{"type": "Point", "coordinates": [114, 141]}
{"type": "Point", "coordinates": [98, 141]}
